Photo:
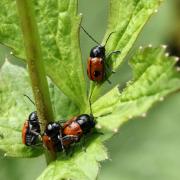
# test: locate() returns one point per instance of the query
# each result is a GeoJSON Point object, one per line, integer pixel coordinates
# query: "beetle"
{"type": "Point", "coordinates": [75, 128]}
{"type": "Point", "coordinates": [59, 136]}
{"type": "Point", "coordinates": [52, 136]}
{"type": "Point", "coordinates": [97, 65]}
{"type": "Point", "coordinates": [31, 130]}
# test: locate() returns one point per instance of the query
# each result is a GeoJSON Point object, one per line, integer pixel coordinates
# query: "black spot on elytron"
{"type": "Point", "coordinates": [97, 73]}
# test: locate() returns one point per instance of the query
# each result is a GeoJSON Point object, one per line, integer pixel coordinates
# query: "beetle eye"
{"type": "Point", "coordinates": [80, 121]}
{"type": "Point", "coordinates": [49, 127]}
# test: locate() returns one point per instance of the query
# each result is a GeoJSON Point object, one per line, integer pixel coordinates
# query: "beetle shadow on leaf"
{"type": "Point", "coordinates": [1, 136]}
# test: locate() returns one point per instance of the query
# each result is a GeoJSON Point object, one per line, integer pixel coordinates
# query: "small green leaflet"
{"type": "Point", "coordinates": [82, 165]}
{"type": "Point", "coordinates": [154, 77]}
{"type": "Point", "coordinates": [14, 110]}
{"type": "Point", "coordinates": [126, 19]}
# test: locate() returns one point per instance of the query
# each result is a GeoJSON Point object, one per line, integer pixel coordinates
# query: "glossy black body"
{"type": "Point", "coordinates": [31, 130]}
{"type": "Point", "coordinates": [34, 122]}
{"type": "Point", "coordinates": [86, 122]}
{"type": "Point", "coordinates": [53, 130]}
{"type": "Point", "coordinates": [98, 51]}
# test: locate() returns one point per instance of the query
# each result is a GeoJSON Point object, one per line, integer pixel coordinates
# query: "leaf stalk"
{"type": "Point", "coordinates": [35, 66]}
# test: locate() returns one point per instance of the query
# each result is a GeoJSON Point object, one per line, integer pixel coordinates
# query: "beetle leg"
{"type": "Point", "coordinates": [37, 134]}
{"type": "Point", "coordinates": [107, 57]}
{"type": "Point", "coordinates": [107, 79]}
{"type": "Point", "coordinates": [71, 150]}
{"type": "Point", "coordinates": [98, 133]}
{"type": "Point", "coordinates": [33, 138]}
{"type": "Point", "coordinates": [73, 138]}
{"type": "Point", "coordinates": [35, 145]}
{"type": "Point", "coordinates": [61, 140]}
{"type": "Point", "coordinates": [34, 132]}
{"type": "Point", "coordinates": [83, 144]}
{"type": "Point", "coordinates": [108, 67]}
{"type": "Point", "coordinates": [111, 53]}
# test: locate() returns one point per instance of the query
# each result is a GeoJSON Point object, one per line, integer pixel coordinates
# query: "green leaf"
{"type": "Point", "coordinates": [63, 107]}
{"type": "Point", "coordinates": [15, 109]}
{"type": "Point", "coordinates": [148, 148]}
{"type": "Point", "coordinates": [82, 165]}
{"type": "Point", "coordinates": [58, 25]}
{"type": "Point", "coordinates": [11, 144]}
{"type": "Point", "coordinates": [2, 55]}
{"type": "Point", "coordinates": [126, 20]}
{"type": "Point", "coordinates": [154, 77]}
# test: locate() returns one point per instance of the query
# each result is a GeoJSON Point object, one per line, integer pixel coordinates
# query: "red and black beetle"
{"type": "Point", "coordinates": [97, 65]}
{"type": "Point", "coordinates": [75, 128]}
{"type": "Point", "coordinates": [52, 136]}
{"type": "Point", "coordinates": [58, 137]}
{"type": "Point", "coordinates": [31, 130]}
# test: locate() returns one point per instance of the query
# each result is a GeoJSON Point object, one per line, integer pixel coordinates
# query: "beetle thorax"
{"type": "Point", "coordinates": [98, 51]}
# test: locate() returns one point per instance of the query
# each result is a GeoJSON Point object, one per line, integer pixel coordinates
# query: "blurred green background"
{"type": "Point", "coordinates": [145, 148]}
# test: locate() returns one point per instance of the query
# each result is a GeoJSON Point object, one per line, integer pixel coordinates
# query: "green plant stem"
{"type": "Point", "coordinates": [35, 65]}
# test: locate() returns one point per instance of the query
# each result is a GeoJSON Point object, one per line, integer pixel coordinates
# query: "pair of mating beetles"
{"type": "Point", "coordinates": [59, 136]}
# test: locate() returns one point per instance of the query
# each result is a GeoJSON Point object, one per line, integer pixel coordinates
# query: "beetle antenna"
{"type": "Point", "coordinates": [89, 35]}
{"type": "Point", "coordinates": [29, 99]}
{"type": "Point", "coordinates": [108, 38]}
